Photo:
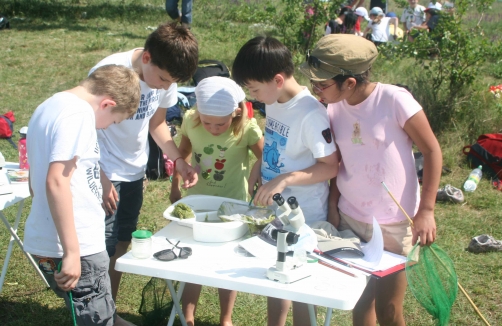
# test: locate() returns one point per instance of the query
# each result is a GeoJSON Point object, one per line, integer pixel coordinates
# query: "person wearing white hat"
{"type": "Point", "coordinates": [380, 26]}
{"type": "Point", "coordinates": [216, 140]}
{"type": "Point", "coordinates": [362, 13]}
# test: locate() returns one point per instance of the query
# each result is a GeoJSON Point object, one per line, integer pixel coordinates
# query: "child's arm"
{"type": "Point", "coordinates": [110, 196]}
{"type": "Point", "coordinates": [334, 197]}
{"type": "Point", "coordinates": [419, 130]}
{"type": "Point", "coordinates": [185, 150]}
{"type": "Point", "coordinates": [324, 169]}
{"type": "Point", "coordinates": [162, 136]}
{"type": "Point", "coordinates": [59, 198]}
{"type": "Point", "coordinates": [255, 174]}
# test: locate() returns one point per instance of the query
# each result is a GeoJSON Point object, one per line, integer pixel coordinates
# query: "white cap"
{"type": "Point", "coordinates": [437, 6]}
{"type": "Point", "coordinates": [23, 130]}
{"type": "Point", "coordinates": [361, 11]}
{"type": "Point", "coordinates": [218, 96]}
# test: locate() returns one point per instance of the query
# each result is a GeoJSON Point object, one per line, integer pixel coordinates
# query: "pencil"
{"type": "Point", "coordinates": [336, 268]}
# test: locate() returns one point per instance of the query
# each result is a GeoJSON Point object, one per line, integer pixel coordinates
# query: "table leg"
{"type": "Point", "coordinates": [14, 237]}
{"type": "Point", "coordinates": [173, 311]}
{"type": "Point", "coordinates": [329, 312]}
{"type": "Point", "coordinates": [176, 302]}
{"type": "Point", "coordinates": [312, 315]}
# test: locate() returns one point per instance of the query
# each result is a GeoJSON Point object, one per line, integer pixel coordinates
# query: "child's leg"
{"type": "Point", "coordinates": [301, 314]}
{"type": "Point", "coordinates": [189, 299]}
{"type": "Point", "coordinates": [364, 311]}
{"type": "Point", "coordinates": [227, 301]}
{"type": "Point", "coordinates": [389, 297]}
{"type": "Point", "coordinates": [277, 311]}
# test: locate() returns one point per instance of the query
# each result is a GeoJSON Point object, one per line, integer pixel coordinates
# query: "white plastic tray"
{"type": "Point", "coordinates": [207, 206]}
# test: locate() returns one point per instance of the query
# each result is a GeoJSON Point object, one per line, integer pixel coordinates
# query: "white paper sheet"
{"type": "Point", "coordinates": [259, 248]}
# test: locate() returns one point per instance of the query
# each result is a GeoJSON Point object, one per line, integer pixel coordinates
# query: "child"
{"type": "Point", "coordinates": [217, 137]}
{"type": "Point", "coordinates": [414, 15]}
{"type": "Point", "coordinates": [380, 26]}
{"type": "Point", "coordinates": [375, 126]}
{"type": "Point", "coordinates": [361, 13]}
{"type": "Point", "coordinates": [299, 154]}
{"type": "Point", "coordinates": [66, 222]}
{"type": "Point", "coordinates": [170, 55]}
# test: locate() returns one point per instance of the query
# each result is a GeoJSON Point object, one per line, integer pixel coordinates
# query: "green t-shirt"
{"type": "Point", "coordinates": [222, 162]}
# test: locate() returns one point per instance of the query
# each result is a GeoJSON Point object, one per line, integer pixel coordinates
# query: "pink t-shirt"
{"type": "Point", "coordinates": [375, 148]}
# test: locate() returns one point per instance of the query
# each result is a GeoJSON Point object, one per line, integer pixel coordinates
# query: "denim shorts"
{"type": "Point", "coordinates": [121, 224]}
{"type": "Point", "coordinates": [92, 297]}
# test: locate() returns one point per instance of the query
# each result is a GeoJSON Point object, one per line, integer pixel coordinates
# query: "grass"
{"type": "Point", "coordinates": [52, 45]}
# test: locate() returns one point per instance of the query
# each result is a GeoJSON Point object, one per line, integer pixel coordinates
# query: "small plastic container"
{"type": "Point", "coordinates": [141, 244]}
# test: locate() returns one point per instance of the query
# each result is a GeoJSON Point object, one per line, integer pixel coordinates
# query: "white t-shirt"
{"type": "Point", "coordinates": [296, 134]}
{"type": "Point", "coordinates": [413, 16]}
{"type": "Point", "coordinates": [61, 128]}
{"type": "Point", "coordinates": [375, 148]}
{"type": "Point", "coordinates": [124, 146]}
{"type": "Point", "coordinates": [380, 32]}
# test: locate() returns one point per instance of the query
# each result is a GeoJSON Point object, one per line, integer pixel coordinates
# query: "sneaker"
{"type": "Point", "coordinates": [484, 243]}
{"type": "Point", "coordinates": [450, 193]}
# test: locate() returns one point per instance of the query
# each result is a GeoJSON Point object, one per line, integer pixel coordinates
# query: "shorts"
{"type": "Point", "coordinates": [120, 225]}
{"type": "Point", "coordinates": [92, 297]}
{"type": "Point", "coordinates": [396, 236]}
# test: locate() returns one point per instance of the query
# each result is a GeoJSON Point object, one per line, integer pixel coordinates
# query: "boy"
{"type": "Point", "coordinates": [412, 16]}
{"type": "Point", "coordinates": [65, 224]}
{"type": "Point", "coordinates": [299, 154]}
{"type": "Point", "coordinates": [170, 55]}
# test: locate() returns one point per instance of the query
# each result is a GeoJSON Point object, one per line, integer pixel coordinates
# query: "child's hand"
{"type": "Point", "coordinates": [254, 179]}
{"type": "Point", "coordinates": [188, 174]}
{"type": "Point", "coordinates": [265, 193]}
{"type": "Point", "coordinates": [424, 227]}
{"type": "Point", "coordinates": [70, 273]}
{"type": "Point", "coordinates": [110, 195]}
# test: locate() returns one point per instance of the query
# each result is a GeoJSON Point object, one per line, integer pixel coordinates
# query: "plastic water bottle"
{"type": "Point", "coordinates": [472, 181]}
{"type": "Point", "coordinates": [23, 153]}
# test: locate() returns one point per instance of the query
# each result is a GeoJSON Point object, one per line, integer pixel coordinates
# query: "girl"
{"type": "Point", "coordinates": [375, 126]}
{"type": "Point", "coordinates": [217, 137]}
{"type": "Point", "coordinates": [343, 24]}
{"type": "Point", "coordinates": [380, 26]}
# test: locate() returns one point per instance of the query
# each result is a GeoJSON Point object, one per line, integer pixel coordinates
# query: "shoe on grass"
{"type": "Point", "coordinates": [450, 193]}
{"type": "Point", "coordinates": [484, 243]}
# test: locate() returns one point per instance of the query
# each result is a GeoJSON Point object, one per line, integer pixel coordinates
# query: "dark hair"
{"type": "Point", "coordinates": [361, 79]}
{"type": "Point", "coordinates": [344, 10]}
{"type": "Point", "coordinates": [349, 22]}
{"type": "Point", "coordinates": [260, 59]}
{"type": "Point", "coordinates": [173, 48]}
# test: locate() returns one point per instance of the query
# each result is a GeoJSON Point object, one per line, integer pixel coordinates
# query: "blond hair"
{"type": "Point", "coordinates": [118, 82]}
{"type": "Point", "coordinates": [238, 121]}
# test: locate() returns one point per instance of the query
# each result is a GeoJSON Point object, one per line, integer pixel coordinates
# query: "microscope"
{"type": "Point", "coordinates": [291, 216]}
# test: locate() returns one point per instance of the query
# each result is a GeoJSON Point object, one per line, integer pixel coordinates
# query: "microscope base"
{"type": "Point", "coordinates": [288, 276]}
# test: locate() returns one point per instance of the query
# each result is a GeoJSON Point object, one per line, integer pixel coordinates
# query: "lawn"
{"type": "Point", "coordinates": [53, 43]}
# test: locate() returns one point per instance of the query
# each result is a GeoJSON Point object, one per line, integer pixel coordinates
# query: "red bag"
{"type": "Point", "coordinates": [487, 151]}
{"type": "Point", "coordinates": [7, 127]}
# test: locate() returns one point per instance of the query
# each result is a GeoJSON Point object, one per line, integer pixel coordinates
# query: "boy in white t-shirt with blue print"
{"type": "Point", "coordinates": [66, 227]}
{"type": "Point", "coordinates": [299, 153]}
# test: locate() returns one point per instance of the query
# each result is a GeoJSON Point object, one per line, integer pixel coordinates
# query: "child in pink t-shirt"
{"type": "Point", "coordinates": [375, 126]}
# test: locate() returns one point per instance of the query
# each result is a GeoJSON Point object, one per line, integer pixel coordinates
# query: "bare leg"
{"type": "Point", "coordinates": [364, 311]}
{"type": "Point", "coordinates": [301, 314]}
{"type": "Point", "coordinates": [227, 301]}
{"type": "Point", "coordinates": [277, 311]}
{"type": "Point", "coordinates": [121, 322]}
{"type": "Point", "coordinates": [115, 276]}
{"type": "Point", "coordinates": [389, 298]}
{"type": "Point", "coordinates": [189, 298]}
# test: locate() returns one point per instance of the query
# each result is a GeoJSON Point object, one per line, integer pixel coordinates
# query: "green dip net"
{"type": "Point", "coordinates": [432, 280]}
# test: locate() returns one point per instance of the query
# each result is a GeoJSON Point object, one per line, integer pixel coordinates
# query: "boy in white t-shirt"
{"type": "Point", "coordinates": [66, 222]}
{"type": "Point", "coordinates": [414, 15]}
{"type": "Point", "coordinates": [299, 155]}
{"type": "Point", "coordinates": [170, 55]}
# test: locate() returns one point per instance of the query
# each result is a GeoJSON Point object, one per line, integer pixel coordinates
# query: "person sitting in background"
{"type": "Point", "coordinates": [343, 24]}
{"type": "Point", "coordinates": [432, 14]}
{"type": "Point", "coordinates": [379, 26]}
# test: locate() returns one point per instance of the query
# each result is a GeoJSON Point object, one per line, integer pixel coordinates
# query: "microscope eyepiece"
{"type": "Point", "coordinates": [292, 202]}
{"type": "Point", "coordinates": [278, 199]}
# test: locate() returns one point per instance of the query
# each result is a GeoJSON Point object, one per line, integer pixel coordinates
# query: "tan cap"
{"type": "Point", "coordinates": [339, 54]}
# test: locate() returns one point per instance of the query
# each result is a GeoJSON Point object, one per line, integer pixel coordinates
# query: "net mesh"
{"type": "Point", "coordinates": [432, 280]}
{"type": "Point", "coordinates": [156, 302]}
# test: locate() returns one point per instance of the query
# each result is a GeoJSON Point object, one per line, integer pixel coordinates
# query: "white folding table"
{"type": "Point", "coordinates": [20, 191]}
{"type": "Point", "coordinates": [226, 265]}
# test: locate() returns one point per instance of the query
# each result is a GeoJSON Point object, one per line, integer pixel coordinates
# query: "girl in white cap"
{"type": "Point", "coordinates": [380, 26]}
{"type": "Point", "coordinates": [217, 138]}
{"type": "Point", "coordinates": [375, 126]}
